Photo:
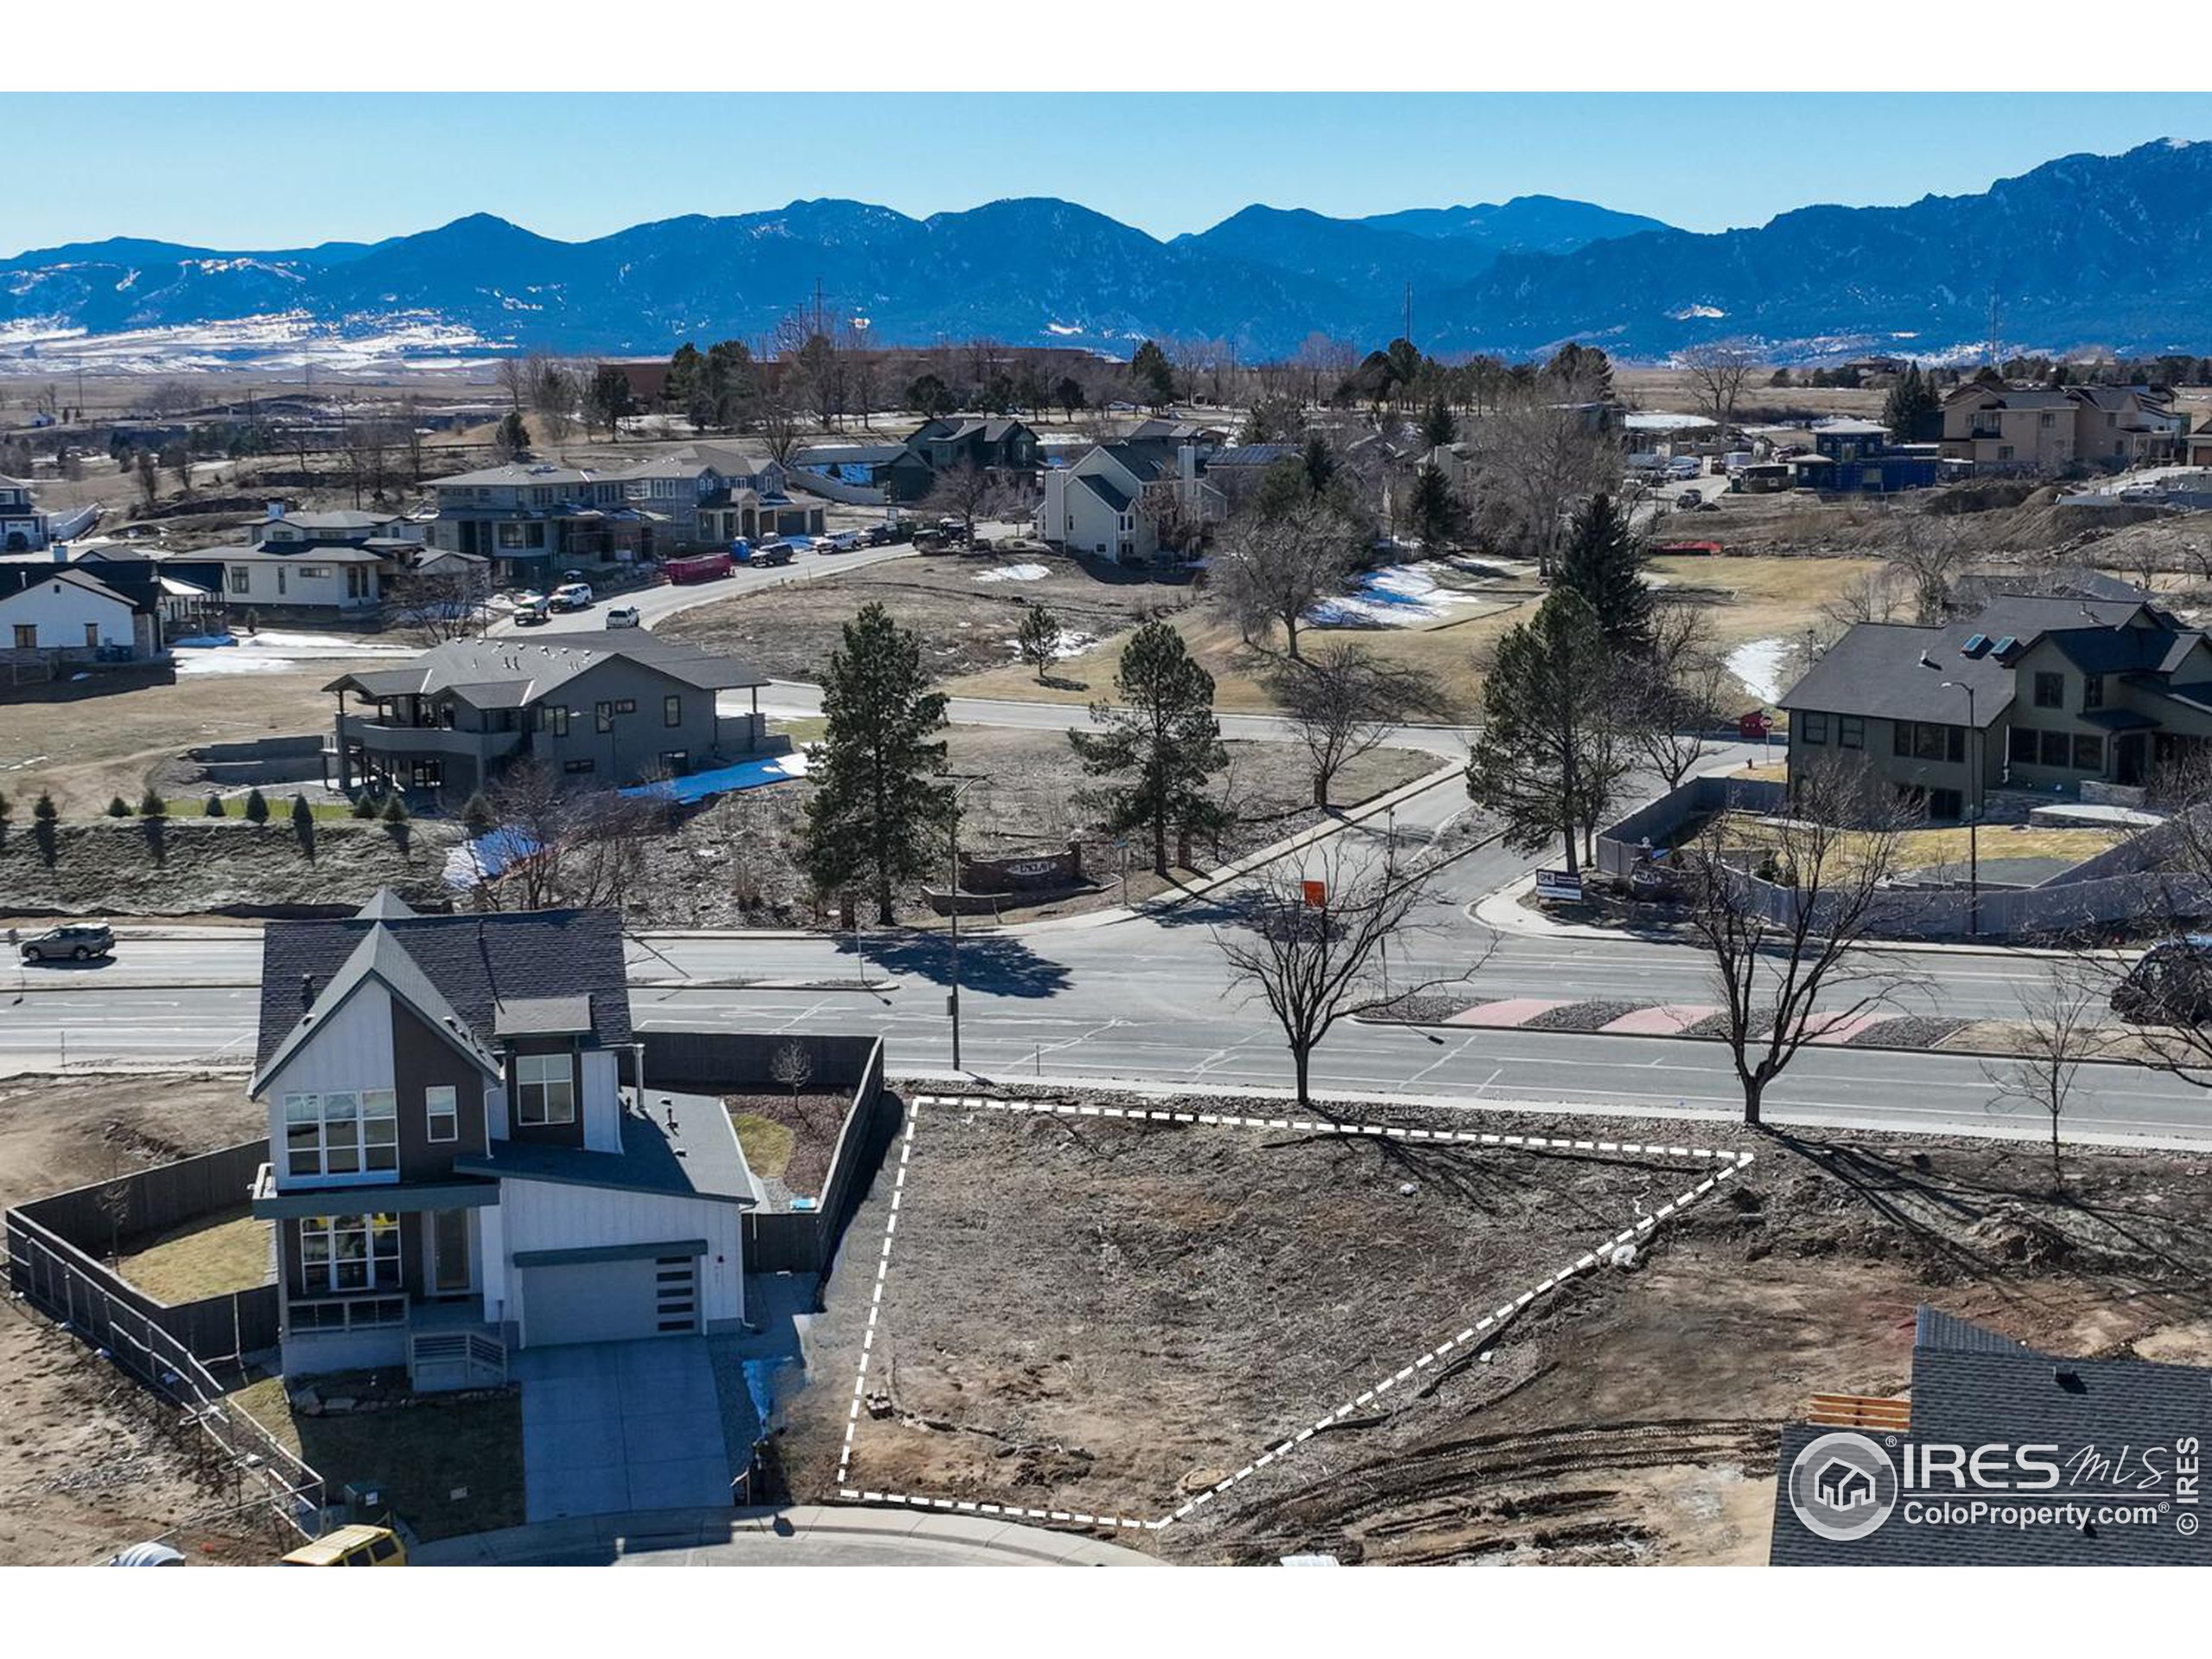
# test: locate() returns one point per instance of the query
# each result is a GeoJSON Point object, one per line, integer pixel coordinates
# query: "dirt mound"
{"type": "Point", "coordinates": [181, 866]}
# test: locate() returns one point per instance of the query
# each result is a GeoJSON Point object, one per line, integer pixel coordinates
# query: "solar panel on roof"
{"type": "Point", "coordinates": [1976, 646]}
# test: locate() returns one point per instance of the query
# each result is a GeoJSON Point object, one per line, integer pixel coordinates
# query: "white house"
{"type": "Point", "coordinates": [455, 1171]}
{"type": "Point", "coordinates": [56, 614]}
{"type": "Point", "coordinates": [1109, 502]}
{"type": "Point", "coordinates": [22, 524]}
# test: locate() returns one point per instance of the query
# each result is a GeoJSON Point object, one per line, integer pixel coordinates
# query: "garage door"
{"type": "Point", "coordinates": [610, 1302]}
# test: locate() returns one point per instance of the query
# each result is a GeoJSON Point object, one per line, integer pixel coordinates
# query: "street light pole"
{"type": "Point", "coordinates": [952, 1001]}
{"type": "Point", "coordinates": [1975, 750]}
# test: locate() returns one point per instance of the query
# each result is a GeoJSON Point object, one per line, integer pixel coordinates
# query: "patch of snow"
{"type": "Point", "coordinates": [1060, 328]}
{"type": "Point", "coordinates": [1068, 644]}
{"type": "Point", "coordinates": [1758, 665]}
{"type": "Point", "coordinates": [270, 652]}
{"type": "Point", "coordinates": [1015, 573]}
{"type": "Point", "coordinates": [1393, 596]}
{"type": "Point", "coordinates": [1689, 311]}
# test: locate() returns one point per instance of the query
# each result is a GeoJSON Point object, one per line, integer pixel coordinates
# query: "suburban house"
{"type": "Point", "coordinates": [1236, 472]}
{"type": "Point", "coordinates": [611, 708]}
{"type": "Point", "coordinates": [455, 1171]}
{"type": "Point", "coordinates": [316, 566]}
{"type": "Point", "coordinates": [64, 615]}
{"type": "Point", "coordinates": [22, 523]}
{"type": "Point", "coordinates": [2065, 692]}
{"type": "Point", "coordinates": [1110, 502]}
{"type": "Point", "coordinates": [2051, 429]}
{"type": "Point", "coordinates": [993, 442]}
{"type": "Point", "coordinates": [889, 473]}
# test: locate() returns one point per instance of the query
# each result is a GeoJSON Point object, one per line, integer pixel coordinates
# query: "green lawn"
{"type": "Point", "coordinates": [450, 1466]}
{"type": "Point", "coordinates": [207, 1258]}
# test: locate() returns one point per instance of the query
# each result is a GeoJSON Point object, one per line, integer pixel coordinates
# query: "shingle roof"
{"type": "Point", "coordinates": [697, 1157]}
{"type": "Point", "coordinates": [472, 962]}
{"type": "Point", "coordinates": [1251, 454]}
{"type": "Point", "coordinates": [514, 673]}
{"type": "Point", "coordinates": [1104, 491]}
{"type": "Point", "coordinates": [1973, 1386]}
{"type": "Point", "coordinates": [376, 955]}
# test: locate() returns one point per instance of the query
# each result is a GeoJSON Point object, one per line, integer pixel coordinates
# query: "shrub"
{"type": "Point", "coordinates": [151, 805]}
{"type": "Point", "coordinates": [215, 807]}
{"type": "Point", "coordinates": [365, 805]}
{"type": "Point", "coordinates": [118, 808]}
{"type": "Point", "coordinates": [302, 814]}
{"type": "Point", "coordinates": [395, 809]}
{"type": "Point", "coordinates": [257, 807]}
{"type": "Point", "coordinates": [46, 812]}
{"type": "Point", "coordinates": [476, 816]}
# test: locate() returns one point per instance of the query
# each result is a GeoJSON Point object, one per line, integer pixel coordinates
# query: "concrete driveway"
{"type": "Point", "coordinates": [612, 1427]}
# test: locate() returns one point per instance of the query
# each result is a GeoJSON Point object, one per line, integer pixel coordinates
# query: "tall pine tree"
{"type": "Point", "coordinates": [1153, 373]}
{"type": "Point", "coordinates": [1911, 400]}
{"type": "Point", "coordinates": [1603, 563]}
{"type": "Point", "coordinates": [1436, 514]}
{"type": "Point", "coordinates": [877, 808]}
{"type": "Point", "coordinates": [1159, 746]}
{"type": "Point", "coordinates": [1549, 755]}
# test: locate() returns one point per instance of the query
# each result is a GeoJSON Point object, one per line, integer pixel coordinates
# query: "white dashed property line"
{"type": "Point", "coordinates": [1733, 1163]}
{"type": "Point", "coordinates": [875, 1297]}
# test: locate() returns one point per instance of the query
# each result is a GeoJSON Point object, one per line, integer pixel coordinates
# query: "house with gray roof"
{"type": "Point", "coordinates": [1111, 501]}
{"type": "Point", "coordinates": [313, 567]}
{"type": "Point", "coordinates": [23, 522]}
{"type": "Point", "coordinates": [599, 710]}
{"type": "Point", "coordinates": [455, 1170]}
{"type": "Point", "coordinates": [2043, 692]}
{"type": "Point", "coordinates": [2002, 1457]}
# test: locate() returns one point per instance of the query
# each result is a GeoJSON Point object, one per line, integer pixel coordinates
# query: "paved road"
{"type": "Point", "coordinates": [657, 604]}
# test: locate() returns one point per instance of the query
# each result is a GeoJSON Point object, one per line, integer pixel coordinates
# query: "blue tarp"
{"type": "Point", "coordinates": [722, 780]}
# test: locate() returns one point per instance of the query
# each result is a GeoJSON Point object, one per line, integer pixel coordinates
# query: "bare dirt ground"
{"type": "Point", "coordinates": [89, 1461]}
{"type": "Point", "coordinates": [966, 621]}
{"type": "Point", "coordinates": [1082, 1308]}
{"type": "Point", "coordinates": [1028, 801]}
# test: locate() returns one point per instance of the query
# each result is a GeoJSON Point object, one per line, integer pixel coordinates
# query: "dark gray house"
{"type": "Point", "coordinates": [603, 710]}
{"type": "Point", "coordinates": [2044, 693]}
{"type": "Point", "coordinates": [2004, 1457]}
{"type": "Point", "coordinates": [454, 1170]}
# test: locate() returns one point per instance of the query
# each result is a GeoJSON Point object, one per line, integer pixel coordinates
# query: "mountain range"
{"type": "Point", "coordinates": [2085, 250]}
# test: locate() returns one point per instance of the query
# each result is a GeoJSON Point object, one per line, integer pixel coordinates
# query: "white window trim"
{"type": "Point", "coordinates": [548, 1088]}
{"type": "Point", "coordinates": [450, 1112]}
{"type": "Point", "coordinates": [374, 1158]}
{"type": "Point", "coordinates": [321, 1277]}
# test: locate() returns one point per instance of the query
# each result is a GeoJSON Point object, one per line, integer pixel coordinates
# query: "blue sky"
{"type": "Point", "coordinates": [263, 171]}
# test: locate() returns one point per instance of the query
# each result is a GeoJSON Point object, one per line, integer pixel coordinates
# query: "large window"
{"type": "Point", "coordinates": [2057, 749]}
{"type": "Point", "coordinates": [1925, 740]}
{"type": "Point", "coordinates": [1850, 732]}
{"type": "Point", "coordinates": [2050, 690]}
{"type": "Point", "coordinates": [545, 1088]}
{"type": "Point", "coordinates": [2088, 753]}
{"type": "Point", "coordinates": [343, 1132]}
{"type": "Point", "coordinates": [348, 1253]}
{"type": "Point", "coordinates": [2020, 745]}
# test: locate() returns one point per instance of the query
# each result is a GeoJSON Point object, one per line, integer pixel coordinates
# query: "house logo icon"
{"type": "Point", "coordinates": [1842, 1486]}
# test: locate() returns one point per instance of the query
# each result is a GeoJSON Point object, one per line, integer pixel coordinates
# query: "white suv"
{"type": "Point", "coordinates": [572, 596]}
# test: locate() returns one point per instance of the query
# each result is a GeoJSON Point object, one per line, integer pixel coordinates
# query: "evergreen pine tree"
{"type": "Point", "coordinates": [877, 807]}
{"type": "Point", "coordinates": [1153, 374]}
{"type": "Point", "coordinates": [1159, 743]}
{"type": "Point", "coordinates": [395, 808]}
{"type": "Point", "coordinates": [1435, 511]}
{"type": "Point", "coordinates": [151, 805]}
{"type": "Point", "coordinates": [214, 809]}
{"type": "Point", "coordinates": [1438, 425]}
{"type": "Point", "coordinates": [117, 807]}
{"type": "Point", "coordinates": [1602, 563]}
{"type": "Point", "coordinates": [1545, 760]}
{"type": "Point", "coordinates": [257, 807]}
{"type": "Point", "coordinates": [477, 817]}
{"type": "Point", "coordinates": [1038, 642]}
{"type": "Point", "coordinates": [1911, 399]}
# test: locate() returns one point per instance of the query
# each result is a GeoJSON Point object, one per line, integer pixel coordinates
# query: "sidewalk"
{"type": "Point", "coordinates": [802, 1534]}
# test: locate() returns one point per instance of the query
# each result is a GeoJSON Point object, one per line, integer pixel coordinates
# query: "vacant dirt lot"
{"type": "Point", "coordinates": [1085, 1309]}
{"type": "Point", "coordinates": [136, 867]}
{"type": "Point", "coordinates": [966, 610]}
{"type": "Point", "coordinates": [88, 1460]}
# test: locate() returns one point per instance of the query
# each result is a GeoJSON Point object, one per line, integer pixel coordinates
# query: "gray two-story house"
{"type": "Point", "coordinates": [2041, 693]}
{"type": "Point", "coordinates": [595, 709]}
{"type": "Point", "coordinates": [455, 1171]}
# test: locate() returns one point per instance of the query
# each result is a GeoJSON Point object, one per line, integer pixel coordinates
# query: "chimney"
{"type": "Point", "coordinates": [61, 552]}
{"type": "Point", "coordinates": [307, 992]}
{"type": "Point", "coordinates": [1186, 462]}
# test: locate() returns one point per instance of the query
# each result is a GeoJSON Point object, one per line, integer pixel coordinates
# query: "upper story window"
{"type": "Point", "coordinates": [442, 1112]}
{"type": "Point", "coordinates": [545, 1088]}
{"type": "Point", "coordinates": [2093, 692]}
{"type": "Point", "coordinates": [1851, 731]}
{"type": "Point", "coordinates": [671, 711]}
{"type": "Point", "coordinates": [2050, 690]}
{"type": "Point", "coordinates": [343, 1132]}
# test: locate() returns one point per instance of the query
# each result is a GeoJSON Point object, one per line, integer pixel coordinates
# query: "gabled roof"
{"type": "Point", "coordinates": [378, 956]}
{"type": "Point", "coordinates": [1104, 491]}
{"type": "Point", "coordinates": [464, 965]}
{"type": "Point", "coordinates": [1252, 455]}
{"type": "Point", "coordinates": [512, 673]}
{"type": "Point", "coordinates": [134, 586]}
{"type": "Point", "coordinates": [517, 471]}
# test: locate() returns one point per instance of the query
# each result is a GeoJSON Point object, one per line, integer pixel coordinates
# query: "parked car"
{"type": "Point", "coordinates": [1689, 498]}
{"type": "Point", "coordinates": [572, 596]}
{"type": "Point", "coordinates": [351, 1547]}
{"type": "Point", "coordinates": [845, 541]}
{"type": "Point", "coordinates": [622, 616]}
{"type": "Point", "coordinates": [532, 609]}
{"type": "Point", "coordinates": [80, 942]}
{"type": "Point", "coordinates": [2169, 985]}
{"type": "Point", "coordinates": [774, 551]}
{"type": "Point", "coordinates": [1685, 467]}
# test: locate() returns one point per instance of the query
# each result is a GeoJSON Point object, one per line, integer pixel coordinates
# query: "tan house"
{"type": "Point", "coordinates": [2052, 429]}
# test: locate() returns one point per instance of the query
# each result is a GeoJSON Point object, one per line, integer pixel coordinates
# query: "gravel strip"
{"type": "Point", "coordinates": [1716, 1024]}
{"type": "Point", "coordinates": [1581, 1016]}
{"type": "Point", "coordinates": [1421, 1010]}
{"type": "Point", "coordinates": [1907, 1031]}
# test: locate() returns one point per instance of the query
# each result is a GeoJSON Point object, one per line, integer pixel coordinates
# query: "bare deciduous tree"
{"type": "Point", "coordinates": [1718, 372]}
{"type": "Point", "coordinates": [1675, 697]}
{"type": "Point", "coordinates": [1928, 554]}
{"type": "Point", "coordinates": [444, 597]}
{"type": "Point", "coordinates": [2062, 1028]}
{"type": "Point", "coordinates": [969, 492]}
{"type": "Point", "coordinates": [1786, 964]}
{"type": "Point", "coordinates": [1343, 702]}
{"type": "Point", "coordinates": [1309, 961]}
{"type": "Point", "coordinates": [1271, 568]}
{"type": "Point", "coordinates": [1537, 461]}
{"type": "Point", "coordinates": [793, 1065]}
{"type": "Point", "coordinates": [564, 846]}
